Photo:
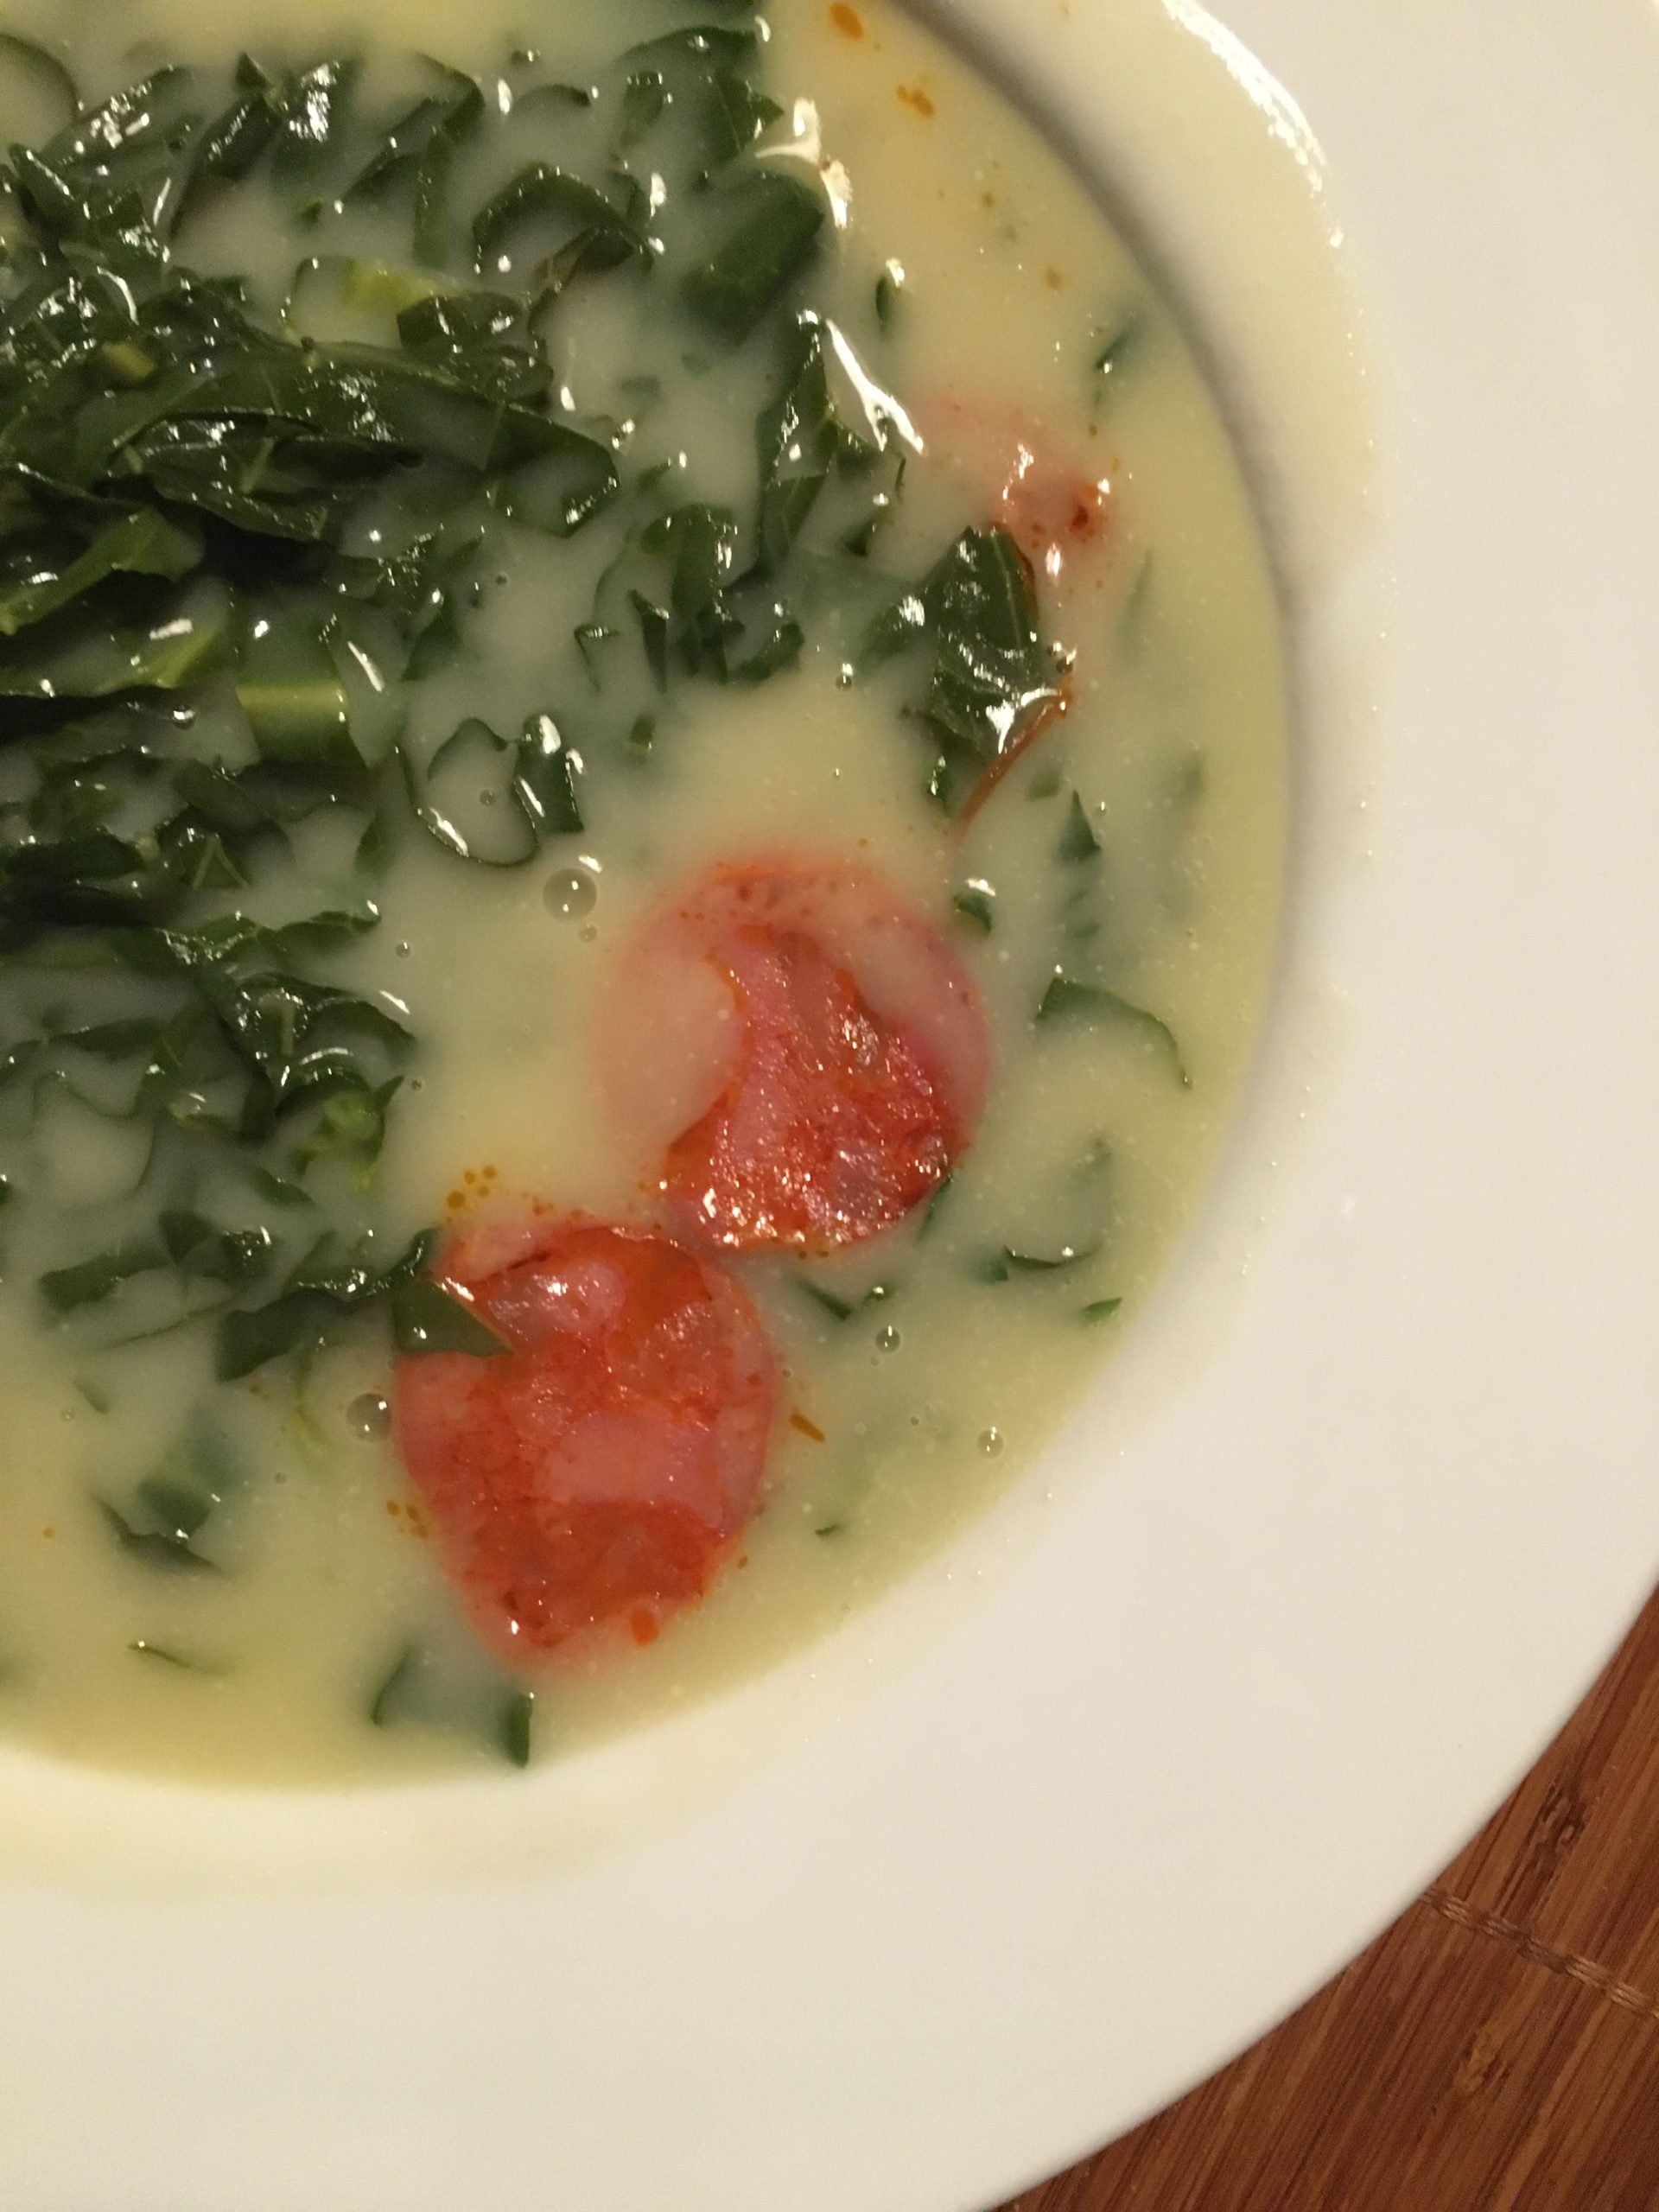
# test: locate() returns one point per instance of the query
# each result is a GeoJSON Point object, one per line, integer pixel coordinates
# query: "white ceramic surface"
{"type": "Point", "coordinates": [1341, 1534]}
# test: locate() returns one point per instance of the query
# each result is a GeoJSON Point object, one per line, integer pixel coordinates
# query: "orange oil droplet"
{"type": "Point", "coordinates": [799, 1420]}
{"type": "Point", "coordinates": [914, 97]}
{"type": "Point", "coordinates": [642, 1626]}
{"type": "Point", "coordinates": [847, 21]}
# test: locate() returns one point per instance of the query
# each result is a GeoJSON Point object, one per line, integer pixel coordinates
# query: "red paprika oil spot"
{"type": "Point", "coordinates": [642, 1626]}
{"type": "Point", "coordinates": [597, 1475]}
{"type": "Point", "coordinates": [847, 21]}
{"type": "Point", "coordinates": [800, 1053]}
{"type": "Point", "coordinates": [914, 97]}
{"type": "Point", "coordinates": [1056, 505]}
{"type": "Point", "coordinates": [799, 1420]}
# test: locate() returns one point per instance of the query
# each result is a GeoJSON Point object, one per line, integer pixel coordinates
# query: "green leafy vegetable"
{"type": "Point", "coordinates": [39, 67]}
{"type": "Point", "coordinates": [143, 543]}
{"type": "Point", "coordinates": [843, 1309]}
{"type": "Point", "coordinates": [241, 550]}
{"type": "Point", "coordinates": [91, 1282]}
{"type": "Point", "coordinates": [333, 1283]}
{"type": "Point", "coordinates": [435, 1685]}
{"type": "Point", "coordinates": [977, 903]}
{"type": "Point", "coordinates": [159, 1548]}
{"type": "Point", "coordinates": [770, 235]}
{"type": "Point", "coordinates": [1116, 347]}
{"type": "Point", "coordinates": [737, 113]}
{"type": "Point", "coordinates": [595, 234]}
{"type": "Point", "coordinates": [170, 1507]}
{"type": "Point", "coordinates": [518, 1719]}
{"type": "Point", "coordinates": [1000, 1265]}
{"type": "Point", "coordinates": [535, 776]}
{"type": "Point", "coordinates": [827, 415]}
{"type": "Point", "coordinates": [1077, 840]}
{"type": "Point", "coordinates": [426, 1318]}
{"type": "Point", "coordinates": [163, 1655]}
{"type": "Point", "coordinates": [976, 613]}
{"type": "Point", "coordinates": [1066, 999]}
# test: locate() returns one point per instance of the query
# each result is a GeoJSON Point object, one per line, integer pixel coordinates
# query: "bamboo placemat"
{"type": "Point", "coordinates": [1497, 2050]}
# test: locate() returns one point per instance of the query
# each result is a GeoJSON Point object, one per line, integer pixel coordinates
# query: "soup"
{"type": "Point", "coordinates": [641, 813]}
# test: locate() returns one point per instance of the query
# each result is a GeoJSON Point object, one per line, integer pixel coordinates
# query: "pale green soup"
{"type": "Point", "coordinates": [211, 1560]}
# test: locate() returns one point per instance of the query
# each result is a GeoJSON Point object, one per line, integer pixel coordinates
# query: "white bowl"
{"type": "Point", "coordinates": [1338, 1539]}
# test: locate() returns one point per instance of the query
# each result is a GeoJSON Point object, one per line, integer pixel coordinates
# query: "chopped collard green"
{"type": "Point", "coordinates": [452, 1689]}
{"type": "Point", "coordinates": [244, 546]}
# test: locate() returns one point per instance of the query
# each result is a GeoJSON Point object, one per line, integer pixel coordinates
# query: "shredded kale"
{"type": "Point", "coordinates": [434, 1685]}
{"type": "Point", "coordinates": [977, 903]}
{"type": "Point", "coordinates": [1066, 999]}
{"type": "Point", "coordinates": [975, 615]}
{"type": "Point", "coordinates": [1077, 841]}
{"type": "Point", "coordinates": [771, 230]}
{"type": "Point", "coordinates": [244, 543]}
{"type": "Point", "coordinates": [426, 1319]}
{"type": "Point", "coordinates": [1114, 347]}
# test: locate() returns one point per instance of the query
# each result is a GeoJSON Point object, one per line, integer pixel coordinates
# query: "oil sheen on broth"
{"type": "Point", "coordinates": [889, 616]}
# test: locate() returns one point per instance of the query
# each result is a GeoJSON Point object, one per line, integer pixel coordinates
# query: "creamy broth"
{"type": "Point", "coordinates": [1022, 367]}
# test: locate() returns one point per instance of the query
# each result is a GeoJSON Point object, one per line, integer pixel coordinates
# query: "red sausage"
{"type": "Point", "coordinates": [800, 1054]}
{"type": "Point", "coordinates": [599, 1474]}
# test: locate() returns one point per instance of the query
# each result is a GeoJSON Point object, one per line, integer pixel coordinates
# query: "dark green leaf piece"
{"type": "Point", "coordinates": [1067, 999]}
{"type": "Point", "coordinates": [1116, 347]}
{"type": "Point", "coordinates": [163, 1655]}
{"type": "Point", "coordinates": [163, 1549]}
{"type": "Point", "coordinates": [440, 1686]}
{"type": "Point", "coordinates": [37, 63]}
{"type": "Point", "coordinates": [771, 234]}
{"type": "Point", "coordinates": [544, 779]}
{"type": "Point", "coordinates": [977, 903]}
{"type": "Point", "coordinates": [1077, 841]}
{"type": "Point", "coordinates": [518, 1718]}
{"type": "Point", "coordinates": [91, 1282]}
{"type": "Point", "coordinates": [838, 1309]}
{"type": "Point", "coordinates": [735, 115]}
{"type": "Point", "coordinates": [644, 97]}
{"type": "Point", "coordinates": [1000, 1265]}
{"type": "Point", "coordinates": [144, 544]}
{"type": "Point", "coordinates": [427, 1318]}
{"type": "Point", "coordinates": [977, 614]}
{"type": "Point", "coordinates": [331, 1285]}
{"type": "Point", "coordinates": [603, 235]}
